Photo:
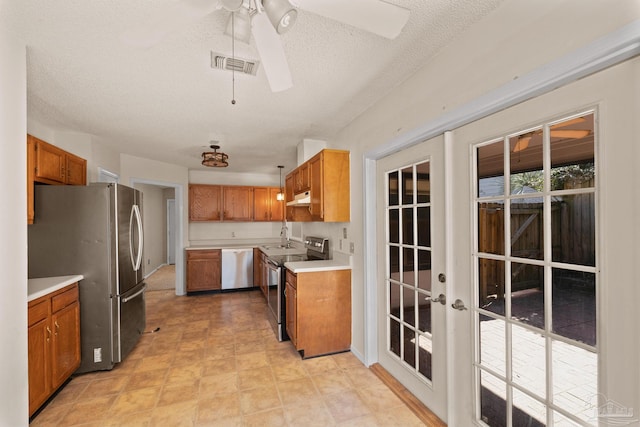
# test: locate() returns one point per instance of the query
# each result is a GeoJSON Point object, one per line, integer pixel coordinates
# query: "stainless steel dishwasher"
{"type": "Point", "coordinates": [237, 268]}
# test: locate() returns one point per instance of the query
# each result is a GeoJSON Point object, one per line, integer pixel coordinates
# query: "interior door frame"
{"type": "Point", "coordinates": [602, 53]}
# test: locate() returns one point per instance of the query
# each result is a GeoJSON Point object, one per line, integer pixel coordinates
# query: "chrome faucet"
{"type": "Point", "coordinates": [284, 235]}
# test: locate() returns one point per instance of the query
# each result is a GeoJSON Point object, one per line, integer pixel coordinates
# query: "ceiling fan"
{"type": "Point", "coordinates": [555, 131]}
{"type": "Point", "coordinates": [268, 19]}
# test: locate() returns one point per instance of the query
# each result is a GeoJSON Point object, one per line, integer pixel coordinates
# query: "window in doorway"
{"type": "Point", "coordinates": [536, 276]}
{"type": "Point", "coordinates": [408, 207]}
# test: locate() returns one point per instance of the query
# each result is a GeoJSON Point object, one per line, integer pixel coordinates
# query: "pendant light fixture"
{"type": "Point", "coordinates": [213, 159]}
{"type": "Point", "coordinates": [280, 195]}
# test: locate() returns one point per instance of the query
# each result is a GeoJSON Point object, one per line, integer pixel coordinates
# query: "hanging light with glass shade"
{"type": "Point", "coordinates": [280, 195]}
{"type": "Point", "coordinates": [213, 159]}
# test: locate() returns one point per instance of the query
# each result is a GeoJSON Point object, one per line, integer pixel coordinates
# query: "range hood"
{"type": "Point", "coordinates": [301, 199]}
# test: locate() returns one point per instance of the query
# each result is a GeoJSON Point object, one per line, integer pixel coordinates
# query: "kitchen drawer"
{"type": "Point", "coordinates": [38, 311]}
{"type": "Point", "coordinates": [68, 296]}
{"type": "Point", "coordinates": [203, 254]}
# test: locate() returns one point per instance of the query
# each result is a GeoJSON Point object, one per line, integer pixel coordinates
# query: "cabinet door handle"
{"type": "Point", "coordinates": [57, 327]}
{"type": "Point", "coordinates": [48, 334]}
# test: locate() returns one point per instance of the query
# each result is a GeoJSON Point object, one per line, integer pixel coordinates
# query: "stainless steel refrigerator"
{"type": "Point", "coordinates": [96, 231]}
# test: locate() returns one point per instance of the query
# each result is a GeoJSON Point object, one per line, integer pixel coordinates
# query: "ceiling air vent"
{"type": "Point", "coordinates": [240, 65]}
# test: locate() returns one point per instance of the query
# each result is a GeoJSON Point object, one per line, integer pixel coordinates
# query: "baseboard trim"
{"type": "Point", "coordinates": [417, 407]}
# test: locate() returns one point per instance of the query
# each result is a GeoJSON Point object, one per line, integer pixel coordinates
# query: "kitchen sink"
{"type": "Point", "coordinates": [278, 247]}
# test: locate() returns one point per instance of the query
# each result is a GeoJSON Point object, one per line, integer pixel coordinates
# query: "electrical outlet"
{"type": "Point", "coordinates": [352, 247]}
{"type": "Point", "coordinates": [344, 232]}
{"type": "Point", "coordinates": [233, 234]}
{"type": "Point", "coordinates": [148, 261]}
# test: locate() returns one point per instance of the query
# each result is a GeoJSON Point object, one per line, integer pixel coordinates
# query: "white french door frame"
{"type": "Point", "coordinates": [614, 48]}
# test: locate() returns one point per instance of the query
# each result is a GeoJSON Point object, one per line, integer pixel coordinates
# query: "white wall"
{"type": "Point", "coordinates": [518, 37]}
{"type": "Point", "coordinates": [14, 408]}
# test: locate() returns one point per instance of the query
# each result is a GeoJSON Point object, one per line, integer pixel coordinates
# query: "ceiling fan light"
{"type": "Point", "coordinates": [281, 14]}
{"type": "Point", "coordinates": [240, 29]}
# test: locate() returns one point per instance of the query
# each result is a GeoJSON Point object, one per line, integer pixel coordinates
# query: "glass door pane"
{"type": "Point", "coordinates": [536, 275]}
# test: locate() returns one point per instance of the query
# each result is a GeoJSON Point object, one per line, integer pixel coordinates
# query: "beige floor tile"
{"type": "Point", "coordinates": [219, 366]}
{"type": "Point", "coordinates": [107, 386]}
{"type": "Point", "coordinates": [181, 374]}
{"type": "Point", "coordinates": [289, 371]}
{"type": "Point", "coordinates": [254, 378]}
{"type": "Point", "coordinates": [319, 365]}
{"type": "Point", "coordinates": [175, 415]}
{"type": "Point", "coordinates": [51, 415]}
{"type": "Point", "coordinates": [347, 360]}
{"type": "Point", "coordinates": [346, 406]}
{"type": "Point", "coordinates": [222, 422]}
{"type": "Point", "coordinates": [400, 415]}
{"type": "Point", "coordinates": [180, 392]}
{"type": "Point", "coordinates": [379, 398]}
{"type": "Point", "coordinates": [362, 377]}
{"type": "Point", "coordinates": [367, 421]}
{"type": "Point", "coordinates": [259, 399]}
{"type": "Point", "coordinates": [249, 347]}
{"type": "Point", "coordinates": [309, 414]}
{"type": "Point", "coordinates": [93, 409]}
{"type": "Point", "coordinates": [70, 393]}
{"type": "Point", "coordinates": [218, 384]}
{"type": "Point", "coordinates": [152, 363]}
{"type": "Point", "coordinates": [332, 382]}
{"type": "Point", "coordinates": [251, 360]}
{"type": "Point", "coordinates": [135, 401]}
{"type": "Point", "coordinates": [139, 419]}
{"type": "Point", "coordinates": [297, 391]}
{"type": "Point", "coordinates": [220, 407]}
{"type": "Point", "coordinates": [146, 379]}
{"type": "Point", "coordinates": [270, 418]}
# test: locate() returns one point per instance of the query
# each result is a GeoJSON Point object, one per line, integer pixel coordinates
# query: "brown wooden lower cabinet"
{"type": "Point", "coordinates": [319, 311]}
{"type": "Point", "coordinates": [54, 343]}
{"type": "Point", "coordinates": [203, 270]}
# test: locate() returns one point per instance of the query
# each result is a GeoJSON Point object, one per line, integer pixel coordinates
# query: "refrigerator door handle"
{"type": "Point", "coordinates": [137, 261]}
{"type": "Point", "coordinates": [130, 297]}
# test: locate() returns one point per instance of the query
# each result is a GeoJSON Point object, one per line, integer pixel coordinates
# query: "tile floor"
{"type": "Point", "coordinates": [216, 362]}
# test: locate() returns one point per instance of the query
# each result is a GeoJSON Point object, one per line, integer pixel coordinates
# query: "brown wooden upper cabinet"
{"type": "Point", "coordinates": [237, 203]}
{"type": "Point", "coordinates": [234, 203]}
{"type": "Point", "coordinates": [48, 164]}
{"type": "Point", "coordinates": [266, 206]}
{"type": "Point", "coordinates": [329, 187]}
{"type": "Point", "coordinates": [56, 166]}
{"type": "Point", "coordinates": [205, 202]}
{"type": "Point", "coordinates": [301, 180]}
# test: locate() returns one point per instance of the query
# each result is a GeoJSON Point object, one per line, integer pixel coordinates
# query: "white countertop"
{"type": "Point", "coordinates": [311, 266]}
{"type": "Point", "coordinates": [45, 285]}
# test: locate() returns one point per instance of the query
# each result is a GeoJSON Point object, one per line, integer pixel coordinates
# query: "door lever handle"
{"type": "Point", "coordinates": [458, 305]}
{"type": "Point", "coordinates": [441, 299]}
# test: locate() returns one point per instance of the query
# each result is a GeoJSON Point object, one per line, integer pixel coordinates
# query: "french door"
{"type": "Point", "coordinates": [411, 266]}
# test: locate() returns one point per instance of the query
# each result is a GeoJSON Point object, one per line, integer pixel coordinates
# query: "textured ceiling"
{"type": "Point", "coordinates": [166, 103]}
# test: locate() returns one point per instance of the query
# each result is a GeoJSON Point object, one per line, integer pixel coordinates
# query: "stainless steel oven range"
{"type": "Point", "coordinates": [317, 250]}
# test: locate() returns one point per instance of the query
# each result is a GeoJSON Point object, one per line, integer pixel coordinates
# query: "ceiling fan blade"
{"type": "Point", "coordinates": [271, 53]}
{"type": "Point", "coordinates": [374, 16]}
{"type": "Point", "coordinates": [177, 15]}
{"type": "Point", "coordinates": [569, 133]}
